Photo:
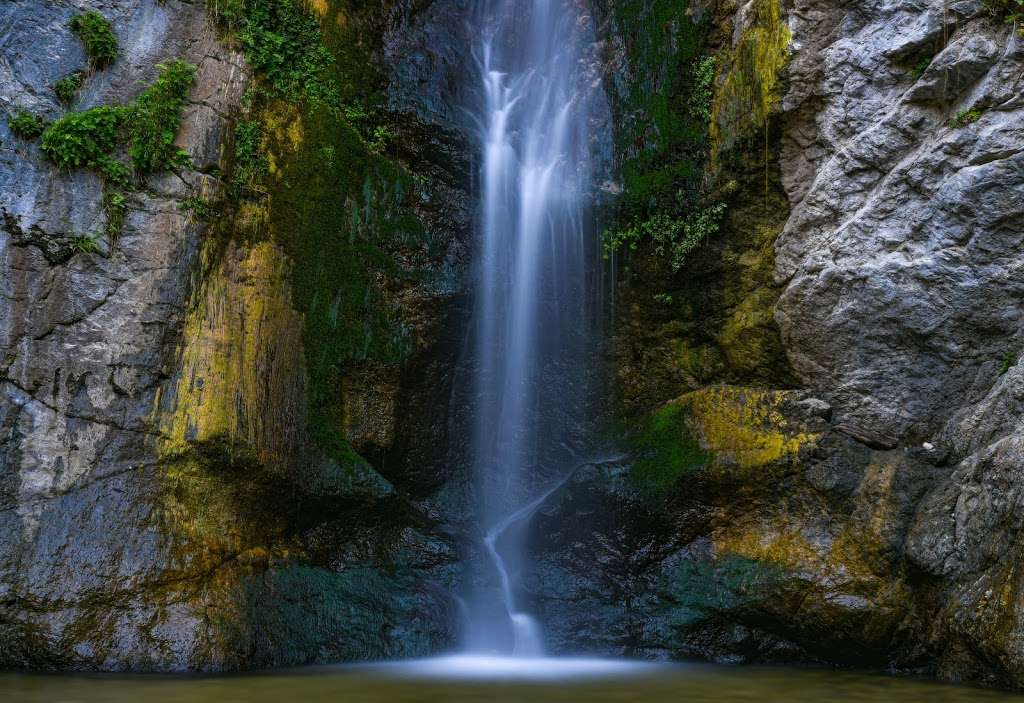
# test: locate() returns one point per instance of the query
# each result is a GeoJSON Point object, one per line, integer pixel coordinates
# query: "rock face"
{"type": "Point", "coordinates": [869, 516]}
{"type": "Point", "coordinates": [224, 432]}
{"type": "Point", "coordinates": [166, 499]}
{"type": "Point", "coordinates": [905, 226]}
{"type": "Point", "coordinates": [902, 303]}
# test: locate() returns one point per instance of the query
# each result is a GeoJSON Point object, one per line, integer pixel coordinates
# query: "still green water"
{"type": "Point", "coordinates": [675, 684]}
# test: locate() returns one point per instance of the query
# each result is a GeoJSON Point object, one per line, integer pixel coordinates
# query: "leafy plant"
{"type": "Point", "coordinates": [1008, 361]}
{"type": "Point", "coordinates": [281, 42]}
{"type": "Point", "coordinates": [703, 92]}
{"type": "Point", "coordinates": [197, 207]}
{"type": "Point", "coordinates": [250, 162]}
{"type": "Point", "coordinates": [97, 36]}
{"type": "Point", "coordinates": [672, 237]}
{"type": "Point", "coordinates": [918, 69]}
{"type": "Point", "coordinates": [382, 136]}
{"type": "Point", "coordinates": [84, 138]}
{"type": "Point", "coordinates": [86, 243]}
{"type": "Point", "coordinates": [965, 117]}
{"type": "Point", "coordinates": [1010, 11]}
{"type": "Point", "coordinates": [155, 117]}
{"type": "Point", "coordinates": [115, 205]}
{"type": "Point", "coordinates": [68, 86]}
{"type": "Point", "coordinates": [147, 126]}
{"type": "Point", "coordinates": [25, 125]}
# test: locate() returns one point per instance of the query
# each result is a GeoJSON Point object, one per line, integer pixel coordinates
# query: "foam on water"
{"type": "Point", "coordinates": [515, 668]}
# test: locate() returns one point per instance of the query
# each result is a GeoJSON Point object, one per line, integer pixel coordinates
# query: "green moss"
{"type": "Point", "coordinates": [748, 93]}
{"type": "Point", "coordinates": [24, 125]}
{"type": "Point", "coordinates": [667, 448]}
{"type": "Point", "coordinates": [155, 117]}
{"type": "Point", "coordinates": [67, 87]}
{"type": "Point", "coordinates": [310, 172]}
{"type": "Point", "coordinates": [97, 36]}
{"type": "Point", "coordinates": [965, 117]}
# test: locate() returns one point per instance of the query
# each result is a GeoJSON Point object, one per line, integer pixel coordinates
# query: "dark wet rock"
{"type": "Point", "coordinates": [787, 545]}
{"type": "Point", "coordinates": [162, 505]}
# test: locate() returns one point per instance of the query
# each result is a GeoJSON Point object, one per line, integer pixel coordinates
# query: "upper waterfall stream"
{"type": "Point", "coordinates": [533, 287]}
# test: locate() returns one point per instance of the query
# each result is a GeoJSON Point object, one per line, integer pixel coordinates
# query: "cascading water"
{"type": "Point", "coordinates": [535, 288]}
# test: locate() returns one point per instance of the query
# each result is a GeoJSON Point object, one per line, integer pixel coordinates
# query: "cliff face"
{"type": "Point", "coordinates": [226, 376]}
{"type": "Point", "coordinates": [833, 477]}
{"type": "Point", "coordinates": [202, 461]}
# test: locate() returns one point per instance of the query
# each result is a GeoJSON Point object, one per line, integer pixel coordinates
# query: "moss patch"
{"type": "Point", "coordinates": [748, 92]}
{"type": "Point", "coordinates": [667, 448]}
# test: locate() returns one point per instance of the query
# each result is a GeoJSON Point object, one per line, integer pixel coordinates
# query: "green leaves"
{"type": "Point", "coordinates": [250, 162]}
{"type": "Point", "coordinates": [282, 42]}
{"type": "Point", "coordinates": [97, 37]}
{"type": "Point", "coordinates": [25, 125]}
{"type": "Point", "coordinates": [965, 117]}
{"type": "Point", "coordinates": [155, 117]}
{"type": "Point", "coordinates": [67, 87]}
{"type": "Point", "coordinates": [89, 139]}
{"type": "Point", "coordinates": [673, 238]}
{"type": "Point", "coordinates": [84, 138]}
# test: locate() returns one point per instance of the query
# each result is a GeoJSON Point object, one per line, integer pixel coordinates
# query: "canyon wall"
{"type": "Point", "coordinates": [219, 375]}
{"type": "Point", "coordinates": [225, 432]}
{"type": "Point", "coordinates": [822, 395]}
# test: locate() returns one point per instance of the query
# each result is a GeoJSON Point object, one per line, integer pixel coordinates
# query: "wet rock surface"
{"type": "Point", "coordinates": [884, 533]}
{"type": "Point", "coordinates": [162, 504]}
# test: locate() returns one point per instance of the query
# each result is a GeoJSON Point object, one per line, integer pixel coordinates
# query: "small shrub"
{"type": "Point", "coordinates": [115, 205]}
{"type": "Point", "coordinates": [86, 244]}
{"type": "Point", "coordinates": [25, 125]}
{"type": "Point", "coordinates": [1008, 361]}
{"type": "Point", "coordinates": [703, 89]}
{"type": "Point", "coordinates": [155, 117]}
{"type": "Point", "coordinates": [97, 37]}
{"type": "Point", "coordinates": [965, 117]}
{"type": "Point", "coordinates": [198, 208]}
{"type": "Point", "coordinates": [84, 138]}
{"type": "Point", "coordinates": [281, 40]}
{"type": "Point", "coordinates": [68, 86]}
{"type": "Point", "coordinates": [918, 69]}
{"type": "Point", "coordinates": [672, 237]}
{"type": "Point", "coordinates": [382, 136]}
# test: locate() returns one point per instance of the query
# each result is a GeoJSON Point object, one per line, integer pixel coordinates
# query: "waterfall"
{"type": "Point", "coordinates": [538, 95]}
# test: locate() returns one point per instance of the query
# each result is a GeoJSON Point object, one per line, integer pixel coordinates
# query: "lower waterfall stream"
{"type": "Point", "coordinates": [536, 256]}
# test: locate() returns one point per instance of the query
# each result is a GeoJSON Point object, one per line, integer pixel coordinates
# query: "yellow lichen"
{"type": "Point", "coordinates": [241, 378]}
{"type": "Point", "coordinates": [785, 548]}
{"type": "Point", "coordinates": [748, 93]}
{"type": "Point", "coordinates": [743, 338]}
{"type": "Point", "coordinates": [744, 428]}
